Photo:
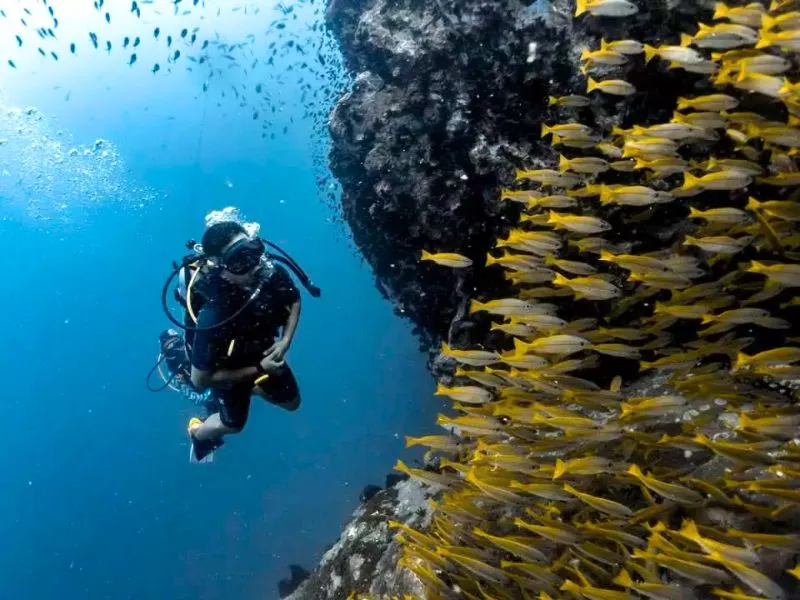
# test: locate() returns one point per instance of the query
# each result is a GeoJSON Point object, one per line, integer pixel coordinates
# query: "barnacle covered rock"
{"type": "Point", "coordinates": [448, 100]}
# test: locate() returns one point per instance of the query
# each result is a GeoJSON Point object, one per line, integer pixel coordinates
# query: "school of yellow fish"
{"type": "Point", "coordinates": [673, 247]}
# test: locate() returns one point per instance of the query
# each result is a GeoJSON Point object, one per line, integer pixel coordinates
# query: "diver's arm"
{"type": "Point", "coordinates": [291, 325]}
{"type": "Point", "coordinates": [278, 350]}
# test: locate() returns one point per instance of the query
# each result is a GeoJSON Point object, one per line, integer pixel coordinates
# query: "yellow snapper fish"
{"type": "Point", "coordinates": [677, 54]}
{"type": "Point", "coordinates": [725, 216]}
{"type": "Point", "coordinates": [570, 266]}
{"type": "Point", "coordinates": [722, 36]}
{"type": "Point", "coordinates": [555, 344]}
{"type": "Point", "coordinates": [521, 196]}
{"type": "Point", "coordinates": [672, 131]}
{"type": "Point", "coordinates": [570, 101]}
{"type": "Point", "coordinates": [623, 166]}
{"type": "Point", "coordinates": [661, 167]}
{"type": "Point", "coordinates": [550, 177]}
{"type": "Point", "coordinates": [766, 64]}
{"type": "Point", "coordinates": [787, 40]}
{"type": "Point", "coordinates": [712, 102]}
{"type": "Point", "coordinates": [775, 357]}
{"type": "Point", "coordinates": [553, 201]}
{"type": "Point", "coordinates": [661, 147]}
{"type": "Point", "coordinates": [787, 275]}
{"type": "Point", "coordinates": [670, 491]}
{"type": "Point", "coordinates": [634, 195]}
{"type": "Point", "coordinates": [752, 578]}
{"type": "Point", "coordinates": [610, 150]}
{"type": "Point", "coordinates": [511, 307]}
{"type": "Point", "coordinates": [782, 135]}
{"type": "Point", "coordinates": [786, 21]}
{"type": "Point", "coordinates": [725, 180]}
{"type": "Point", "coordinates": [769, 85]}
{"type": "Point", "coordinates": [652, 589]}
{"type": "Point", "coordinates": [613, 87]}
{"type": "Point", "coordinates": [582, 143]}
{"type": "Point", "coordinates": [628, 47]}
{"type": "Point", "coordinates": [606, 8]}
{"type": "Point", "coordinates": [749, 15]}
{"type": "Point", "coordinates": [447, 259]}
{"type": "Point", "coordinates": [567, 130]}
{"type": "Point", "coordinates": [589, 165]}
{"type": "Point", "coordinates": [603, 57]}
{"type": "Point", "coordinates": [475, 358]}
{"type": "Point", "coordinates": [466, 394]}
{"type": "Point", "coordinates": [781, 179]}
{"type": "Point", "coordinates": [577, 224]}
{"type": "Point", "coordinates": [704, 119]}
{"type": "Point", "coordinates": [589, 288]}
{"type": "Point", "coordinates": [733, 164]}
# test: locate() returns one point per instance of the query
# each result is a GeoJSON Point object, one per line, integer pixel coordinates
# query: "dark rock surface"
{"type": "Point", "coordinates": [369, 492]}
{"type": "Point", "coordinates": [297, 575]}
{"type": "Point", "coordinates": [448, 100]}
{"type": "Point", "coordinates": [364, 559]}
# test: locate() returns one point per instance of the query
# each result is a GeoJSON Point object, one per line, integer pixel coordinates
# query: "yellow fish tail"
{"type": "Point", "coordinates": [649, 53]}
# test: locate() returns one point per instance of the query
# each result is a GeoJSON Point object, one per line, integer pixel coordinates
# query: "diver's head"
{"type": "Point", "coordinates": [238, 256]}
{"type": "Point", "coordinates": [167, 335]}
{"type": "Point", "coordinates": [168, 338]}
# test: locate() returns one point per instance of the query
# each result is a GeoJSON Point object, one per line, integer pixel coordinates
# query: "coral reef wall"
{"type": "Point", "coordinates": [448, 100]}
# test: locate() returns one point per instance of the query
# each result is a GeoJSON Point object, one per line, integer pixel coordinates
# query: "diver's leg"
{"type": "Point", "coordinates": [280, 389]}
{"type": "Point", "coordinates": [234, 407]}
{"type": "Point", "coordinates": [207, 435]}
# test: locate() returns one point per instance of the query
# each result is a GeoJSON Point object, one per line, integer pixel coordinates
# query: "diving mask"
{"type": "Point", "coordinates": [243, 256]}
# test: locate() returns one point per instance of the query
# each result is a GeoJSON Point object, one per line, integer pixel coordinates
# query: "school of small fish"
{"type": "Point", "coordinates": [196, 47]}
{"type": "Point", "coordinates": [666, 250]}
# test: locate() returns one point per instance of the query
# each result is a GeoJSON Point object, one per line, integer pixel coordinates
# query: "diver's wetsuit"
{"type": "Point", "coordinates": [252, 332]}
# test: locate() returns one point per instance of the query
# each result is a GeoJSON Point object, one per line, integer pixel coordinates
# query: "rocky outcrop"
{"type": "Point", "coordinates": [447, 101]}
{"type": "Point", "coordinates": [364, 559]}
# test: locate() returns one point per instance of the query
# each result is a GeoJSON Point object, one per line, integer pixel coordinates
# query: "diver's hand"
{"type": "Point", "coordinates": [269, 364]}
{"type": "Point", "coordinates": [277, 351]}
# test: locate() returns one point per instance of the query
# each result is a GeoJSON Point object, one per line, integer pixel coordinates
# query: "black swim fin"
{"type": "Point", "coordinates": [203, 451]}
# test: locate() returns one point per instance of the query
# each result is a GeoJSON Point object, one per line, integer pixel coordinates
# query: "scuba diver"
{"type": "Point", "coordinates": [241, 315]}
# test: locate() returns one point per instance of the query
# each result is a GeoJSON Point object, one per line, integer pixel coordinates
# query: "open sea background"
{"type": "Point", "coordinates": [98, 498]}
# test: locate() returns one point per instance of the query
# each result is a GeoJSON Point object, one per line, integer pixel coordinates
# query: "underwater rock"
{"type": "Point", "coordinates": [448, 99]}
{"type": "Point", "coordinates": [297, 575]}
{"type": "Point", "coordinates": [394, 479]}
{"type": "Point", "coordinates": [364, 559]}
{"type": "Point", "coordinates": [368, 492]}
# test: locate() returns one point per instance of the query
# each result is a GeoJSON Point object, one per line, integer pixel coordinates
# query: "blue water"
{"type": "Point", "coordinates": [98, 498]}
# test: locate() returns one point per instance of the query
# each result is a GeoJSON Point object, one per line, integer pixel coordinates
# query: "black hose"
{"type": "Point", "coordinates": [174, 321]}
{"type": "Point", "coordinates": [147, 384]}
